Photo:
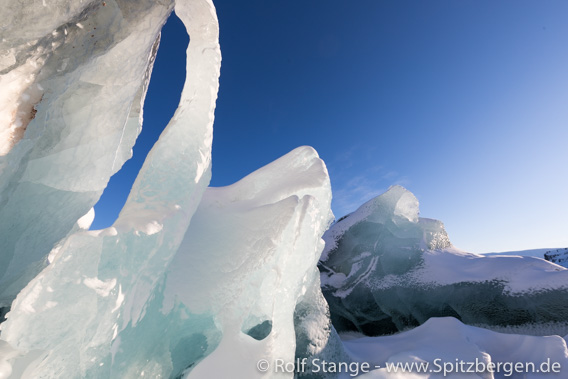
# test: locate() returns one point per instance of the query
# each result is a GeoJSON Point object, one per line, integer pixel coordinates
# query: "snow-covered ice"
{"type": "Point", "coordinates": [385, 269]}
{"type": "Point", "coordinates": [443, 343]}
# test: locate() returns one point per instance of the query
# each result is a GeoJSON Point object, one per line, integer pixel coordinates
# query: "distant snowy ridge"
{"type": "Point", "coordinates": [554, 255]}
{"type": "Point", "coordinates": [558, 256]}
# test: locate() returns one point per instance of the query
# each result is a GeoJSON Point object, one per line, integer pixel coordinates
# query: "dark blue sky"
{"type": "Point", "coordinates": [463, 102]}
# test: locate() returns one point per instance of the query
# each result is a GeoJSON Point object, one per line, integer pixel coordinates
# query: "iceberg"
{"type": "Point", "coordinates": [70, 319]}
{"type": "Point", "coordinates": [259, 282]}
{"type": "Point", "coordinates": [256, 291]}
{"type": "Point", "coordinates": [74, 75]}
{"type": "Point", "coordinates": [384, 269]}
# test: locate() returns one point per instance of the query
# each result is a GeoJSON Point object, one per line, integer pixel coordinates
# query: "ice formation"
{"type": "Point", "coordinates": [74, 76]}
{"type": "Point", "coordinates": [76, 316]}
{"type": "Point", "coordinates": [105, 306]}
{"type": "Point", "coordinates": [384, 269]}
{"type": "Point", "coordinates": [259, 282]}
{"type": "Point", "coordinates": [196, 282]}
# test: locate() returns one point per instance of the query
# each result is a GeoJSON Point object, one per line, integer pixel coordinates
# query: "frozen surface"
{"type": "Point", "coordinates": [447, 341]}
{"type": "Point", "coordinates": [73, 77]}
{"type": "Point", "coordinates": [92, 311]}
{"type": "Point", "coordinates": [385, 269]}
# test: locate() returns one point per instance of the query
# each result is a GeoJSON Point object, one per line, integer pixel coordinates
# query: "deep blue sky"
{"type": "Point", "coordinates": [465, 103]}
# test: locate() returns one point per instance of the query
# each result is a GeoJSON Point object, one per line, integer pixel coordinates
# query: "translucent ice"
{"type": "Point", "coordinates": [385, 269]}
{"type": "Point", "coordinates": [204, 283]}
{"type": "Point", "coordinates": [105, 306]}
{"type": "Point", "coordinates": [97, 297]}
{"type": "Point", "coordinates": [73, 76]}
{"type": "Point", "coordinates": [251, 281]}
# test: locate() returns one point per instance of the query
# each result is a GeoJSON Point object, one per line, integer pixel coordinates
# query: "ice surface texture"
{"type": "Point", "coordinates": [74, 76]}
{"type": "Point", "coordinates": [79, 313]}
{"type": "Point", "coordinates": [192, 282]}
{"type": "Point", "coordinates": [106, 307]}
{"type": "Point", "coordinates": [259, 282]}
{"type": "Point", "coordinates": [384, 269]}
{"type": "Point", "coordinates": [224, 304]}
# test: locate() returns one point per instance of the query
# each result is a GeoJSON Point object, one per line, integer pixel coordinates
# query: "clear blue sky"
{"type": "Point", "coordinates": [465, 103]}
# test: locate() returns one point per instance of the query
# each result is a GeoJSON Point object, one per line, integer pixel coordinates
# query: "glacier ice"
{"type": "Point", "coordinates": [255, 291]}
{"type": "Point", "coordinates": [106, 307]}
{"type": "Point", "coordinates": [259, 282]}
{"type": "Point", "coordinates": [196, 282]}
{"type": "Point", "coordinates": [76, 312]}
{"type": "Point", "coordinates": [74, 76]}
{"type": "Point", "coordinates": [384, 269]}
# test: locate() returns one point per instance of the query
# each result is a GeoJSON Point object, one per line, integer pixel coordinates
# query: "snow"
{"type": "Point", "coordinates": [448, 341]}
{"type": "Point", "coordinates": [554, 255]}
{"type": "Point", "coordinates": [521, 274]}
{"type": "Point", "coordinates": [537, 253]}
{"type": "Point", "coordinates": [86, 221]}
